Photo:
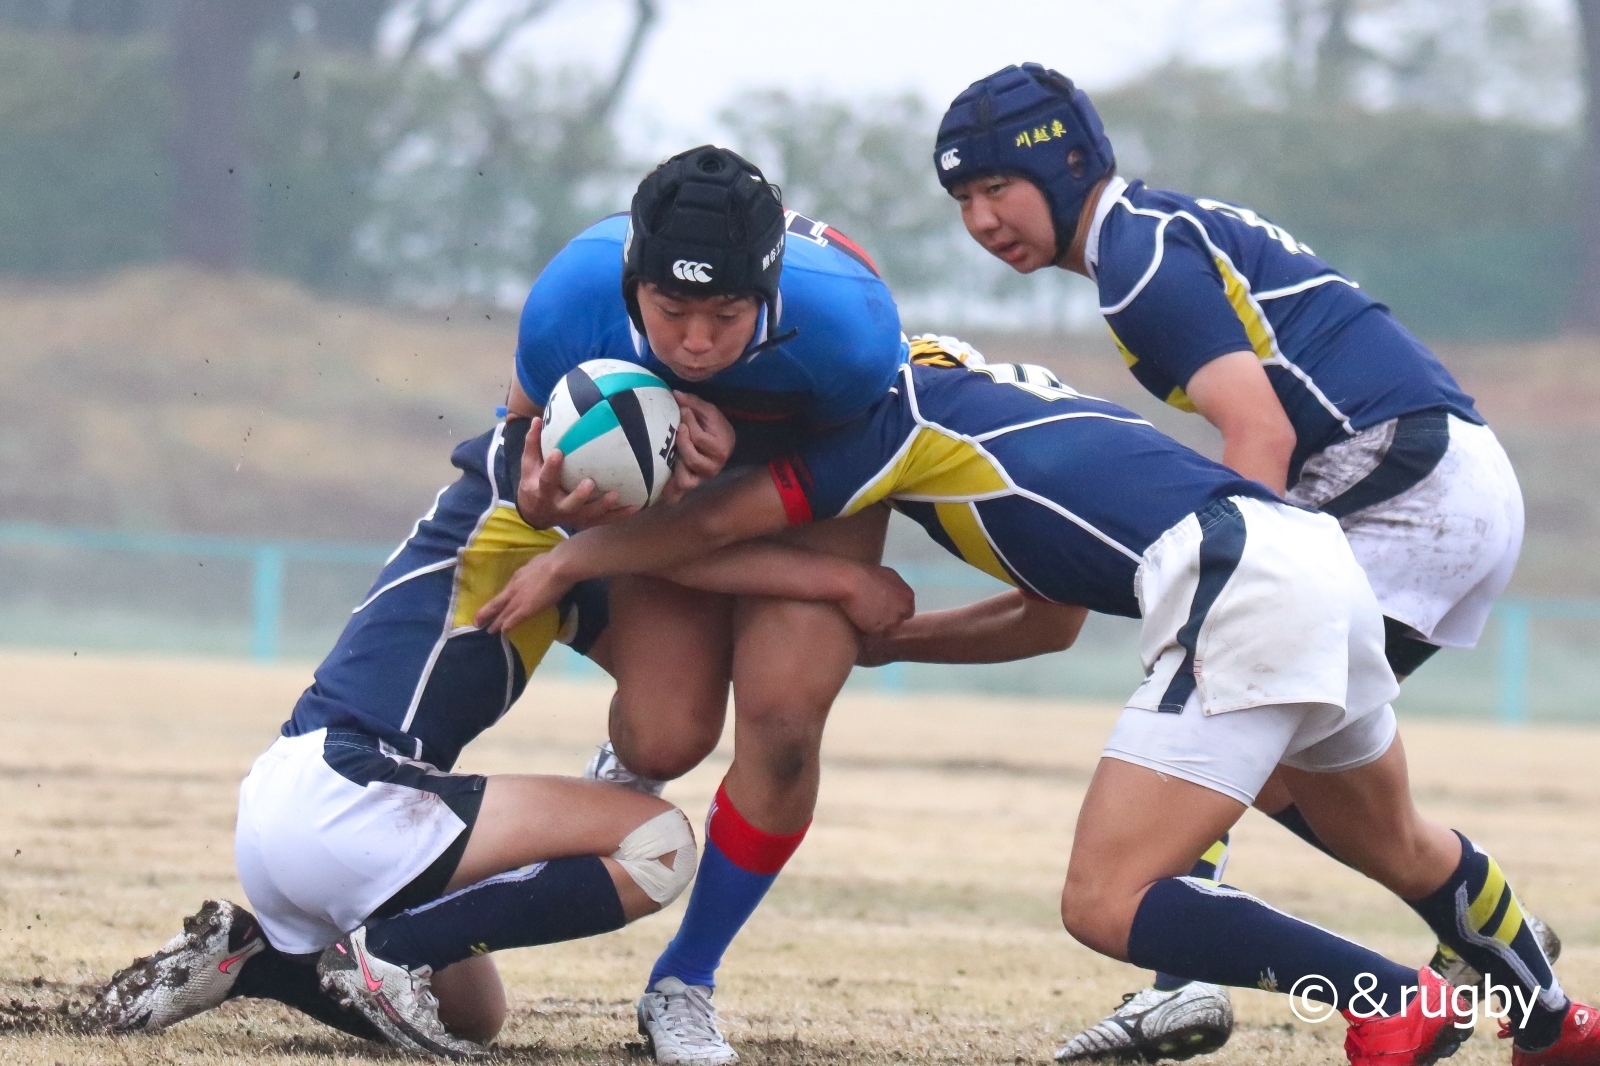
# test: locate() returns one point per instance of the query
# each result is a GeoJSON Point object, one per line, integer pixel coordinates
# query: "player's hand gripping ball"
{"type": "Point", "coordinates": [617, 423]}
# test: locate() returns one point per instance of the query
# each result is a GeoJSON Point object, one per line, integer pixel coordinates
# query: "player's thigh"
{"type": "Point", "coordinates": [671, 653]}
{"type": "Point", "coordinates": [1137, 825]}
{"type": "Point", "coordinates": [525, 819]}
{"type": "Point", "coordinates": [859, 536]}
{"type": "Point", "coordinates": [790, 660]}
{"type": "Point", "coordinates": [472, 1001]}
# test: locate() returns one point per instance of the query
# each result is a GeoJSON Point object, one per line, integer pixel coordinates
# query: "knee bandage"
{"type": "Point", "coordinates": [667, 834]}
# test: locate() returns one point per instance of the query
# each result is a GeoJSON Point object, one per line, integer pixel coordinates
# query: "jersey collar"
{"type": "Point", "coordinates": [1108, 200]}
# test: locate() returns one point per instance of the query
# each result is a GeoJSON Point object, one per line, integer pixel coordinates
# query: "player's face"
{"type": "Point", "coordinates": [1010, 217]}
{"type": "Point", "coordinates": [701, 337]}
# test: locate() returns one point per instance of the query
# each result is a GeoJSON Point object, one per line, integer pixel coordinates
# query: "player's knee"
{"type": "Point", "coordinates": [783, 747]}
{"type": "Point", "coordinates": [1094, 918]}
{"type": "Point", "coordinates": [660, 763]}
{"type": "Point", "coordinates": [664, 754]}
{"type": "Point", "coordinates": [660, 856]}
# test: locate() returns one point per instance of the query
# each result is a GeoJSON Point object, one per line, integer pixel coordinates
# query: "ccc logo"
{"type": "Point", "coordinates": [689, 270]}
{"type": "Point", "coordinates": [950, 159]}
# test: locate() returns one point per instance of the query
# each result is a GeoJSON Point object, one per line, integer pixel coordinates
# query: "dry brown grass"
{"type": "Point", "coordinates": [918, 922]}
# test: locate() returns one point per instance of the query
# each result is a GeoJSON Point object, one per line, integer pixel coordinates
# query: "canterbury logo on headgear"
{"type": "Point", "coordinates": [950, 159]}
{"type": "Point", "coordinates": [689, 270]}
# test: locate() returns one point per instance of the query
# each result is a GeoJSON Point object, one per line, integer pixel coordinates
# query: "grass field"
{"type": "Point", "coordinates": [917, 923]}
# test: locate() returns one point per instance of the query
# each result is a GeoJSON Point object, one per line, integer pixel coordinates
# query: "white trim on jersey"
{"type": "Point", "coordinates": [433, 510]}
{"type": "Point", "coordinates": [442, 564]}
{"type": "Point", "coordinates": [1277, 358]}
{"type": "Point", "coordinates": [496, 442]}
{"type": "Point", "coordinates": [1108, 199]}
{"type": "Point", "coordinates": [998, 554]}
{"type": "Point", "coordinates": [1005, 475]}
{"type": "Point", "coordinates": [1309, 283]}
{"type": "Point", "coordinates": [993, 433]}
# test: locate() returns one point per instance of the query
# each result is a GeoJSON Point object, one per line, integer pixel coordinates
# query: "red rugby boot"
{"type": "Point", "coordinates": [1578, 1045]}
{"type": "Point", "coordinates": [1411, 1038]}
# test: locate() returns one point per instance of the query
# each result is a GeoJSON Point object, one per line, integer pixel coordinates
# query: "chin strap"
{"type": "Point", "coordinates": [772, 342]}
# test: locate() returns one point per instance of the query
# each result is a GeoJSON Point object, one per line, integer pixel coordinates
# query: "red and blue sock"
{"type": "Point", "coordinates": [740, 863]}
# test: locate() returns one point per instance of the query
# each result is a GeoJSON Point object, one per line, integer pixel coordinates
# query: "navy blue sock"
{"type": "Point", "coordinates": [562, 899]}
{"type": "Point", "coordinates": [1210, 932]}
{"type": "Point", "coordinates": [1295, 822]}
{"type": "Point", "coordinates": [271, 974]}
{"type": "Point", "coordinates": [1475, 914]}
{"type": "Point", "coordinates": [1209, 868]}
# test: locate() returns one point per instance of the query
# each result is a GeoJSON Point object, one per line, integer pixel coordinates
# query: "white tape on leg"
{"type": "Point", "coordinates": [667, 834]}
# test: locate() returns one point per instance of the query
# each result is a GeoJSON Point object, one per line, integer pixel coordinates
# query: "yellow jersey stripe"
{"type": "Point", "coordinates": [937, 465]}
{"type": "Point", "coordinates": [1255, 325]}
{"type": "Point", "coordinates": [496, 551]}
{"type": "Point", "coordinates": [960, 521]}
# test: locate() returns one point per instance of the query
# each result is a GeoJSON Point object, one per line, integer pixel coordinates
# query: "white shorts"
{"type": "Point", "coordinates": [1262, 643]}
{"type": "Point", "coordinates": [334, 825]}
{"type": "Point", "coordinates": [1254, 603]}
{"type": "Point", "coordinates": [1235, 753]}
{"type": "Point", "coordinates": [1438, 543]}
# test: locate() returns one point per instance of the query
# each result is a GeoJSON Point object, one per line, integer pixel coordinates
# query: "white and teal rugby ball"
{"type": "Point", "coordinates": [617, 423]}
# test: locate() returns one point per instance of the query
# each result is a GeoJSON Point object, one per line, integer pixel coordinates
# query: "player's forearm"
{"type": "Point", "coordinates": [765, 568]}
{"type": "Point", "coordinates": [1001, 629]}
{"type": "Point", "coordinates": [662, 538]}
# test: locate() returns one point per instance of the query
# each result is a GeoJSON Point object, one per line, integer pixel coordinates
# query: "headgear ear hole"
{"type": "Point", "coordinates": [1076, 163]}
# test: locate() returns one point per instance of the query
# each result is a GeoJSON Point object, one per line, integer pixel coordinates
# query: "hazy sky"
{"type": "Point", "coordinates": [703, 51]}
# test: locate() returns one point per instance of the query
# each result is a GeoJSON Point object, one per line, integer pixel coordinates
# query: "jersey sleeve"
{"type": "Point", "coordinates": [568, 315]}
{"type": "Point", "coordinates": [842, 471]}
{"type": "Point", "coordinates": [1179, 318]}
{"type": "Point", "coordinates": [855, 351]}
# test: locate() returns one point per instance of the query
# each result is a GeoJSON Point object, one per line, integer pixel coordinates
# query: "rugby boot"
{"type": "Point", "coordinates": [1454, 968]}
{"type": "Point", "coordinates": [192, 973]}
{"type": "Point", "coordinates": [1578, 1044]}
{"type": "Point", "coordinates": [1410, 1038]}
{"type": "Point", "coordinates": [1152, 1024]}
{"type": "Point", "coordinates": [605, 766]}
{"type": "Point", "coordinates": [398, 1002]}
{"type": "Point", "coordinates": [681, 1026]}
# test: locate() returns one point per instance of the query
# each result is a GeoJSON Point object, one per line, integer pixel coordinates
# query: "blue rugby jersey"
{"type": "Point", "coordinates": [1046, 489]}
{"type": "Point", "coordinates": [1183, 281]}
{"type": "Point", "coordinates": [842, 358]}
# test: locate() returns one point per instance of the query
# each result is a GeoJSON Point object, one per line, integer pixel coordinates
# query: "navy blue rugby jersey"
{"type": "Point", "coordinates": [842, 358]}
{"type": "Point", "coordinates": [1042, 487]}
{"type": "Point", "coordinates": [1183, 281]}
{"type": "Point", "coordinates": [411, 667]}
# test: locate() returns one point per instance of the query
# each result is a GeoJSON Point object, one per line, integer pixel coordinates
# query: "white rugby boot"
{"type": "Point", "coordinates": [192, 973]}
{"type": "Point", "coordinates": [680, 1025]}
{"type": "Point", "coordinates": [1458, 972]}
{"type": "Point", "coordinates": [397, 1001]}
{"type": "Point", "coordinates": [1193, 1020]}
{"type": "Point", "coordinates": [605, 766]}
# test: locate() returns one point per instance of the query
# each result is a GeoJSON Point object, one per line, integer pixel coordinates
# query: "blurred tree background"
{"type": "Point", "coordinates": [1441, 152]}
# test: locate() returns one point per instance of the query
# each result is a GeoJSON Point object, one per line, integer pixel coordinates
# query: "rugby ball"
{"type": "Point", "coordinates": [617, 423]}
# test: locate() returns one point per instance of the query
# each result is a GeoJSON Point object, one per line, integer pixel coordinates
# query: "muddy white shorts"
{"type": "Point", "coordinates": [1248, 606]}
{"type": "Point", "coordinates": [1434, 516]}
{"type": "Point", "coordinates": [335, 828]}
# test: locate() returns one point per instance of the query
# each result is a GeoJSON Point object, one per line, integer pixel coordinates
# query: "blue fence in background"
{"type": "Point", "coordinates": [937, 585]}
